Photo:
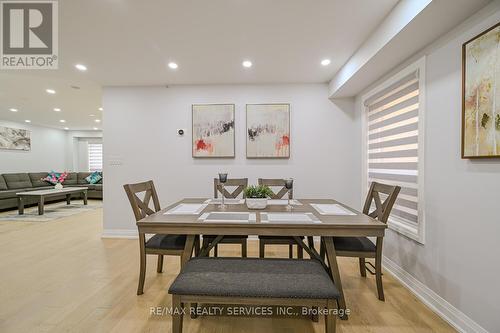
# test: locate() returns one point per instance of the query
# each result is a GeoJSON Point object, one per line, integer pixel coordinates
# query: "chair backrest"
{"type": "Point", "coordinates": [279, 190]}
{"type": "Point", "coordinates": [382, 209]}
{"type": "Point", "coordinates": [141, 207]}
{"type": "Point", "coordinates": [240, 185]}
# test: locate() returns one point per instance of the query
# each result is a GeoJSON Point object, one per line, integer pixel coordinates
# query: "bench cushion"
{"type": "Point", "coordinates": [17, 180]}
{"type": "Point", "coordinates": [253, 277]}
{"type": "Point", "coordinates": [357, 244]}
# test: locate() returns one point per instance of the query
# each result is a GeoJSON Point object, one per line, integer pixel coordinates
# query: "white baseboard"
{"type": "Point", "coordinates": [119, 233]}
{"type": "Point", "coordinates": [456, 318]}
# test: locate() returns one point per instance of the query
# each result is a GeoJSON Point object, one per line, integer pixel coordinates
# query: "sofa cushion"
{"type": "Point", "coordinates": [3, 184]}
{"type": "Point", "coordinates": [252, 277]}
{"type": "Point", "coordinates": [81, 178]}
{"type": "Point", "coordinates": [8, 194]}
{"type": "Point", "coordinates": [17, 180]}
{"type": "Point", "coordinates": [72, 179]}
{"type": "Point", "coordinates": [36, 179]}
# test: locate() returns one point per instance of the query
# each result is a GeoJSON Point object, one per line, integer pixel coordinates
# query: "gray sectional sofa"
{"type": "Point", "coordinates": [11, 183]}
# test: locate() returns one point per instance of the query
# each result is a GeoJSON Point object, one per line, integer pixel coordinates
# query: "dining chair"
{"type": "Point", "coordinates": [158, 244]}
{"type": "Point", "coordinates": [237, 186]}
{"type": "Point", "coordinates": [383, 196]}
{"type": "Point", "coordinates": [279, 190]}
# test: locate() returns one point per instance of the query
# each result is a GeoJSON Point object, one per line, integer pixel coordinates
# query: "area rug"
{"type": "Point", "coordinates": [52, 212]}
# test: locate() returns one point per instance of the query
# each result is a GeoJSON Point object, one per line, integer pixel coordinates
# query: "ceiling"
{"type": "Point", "coordinates": [130, 42]}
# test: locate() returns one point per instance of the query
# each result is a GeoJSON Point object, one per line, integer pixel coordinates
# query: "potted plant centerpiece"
{"type": "Point", "coordinates": [256, 196]}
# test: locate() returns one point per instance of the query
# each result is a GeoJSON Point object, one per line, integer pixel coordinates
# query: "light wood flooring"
{"type": "Point", "coordinates": [60, 276]}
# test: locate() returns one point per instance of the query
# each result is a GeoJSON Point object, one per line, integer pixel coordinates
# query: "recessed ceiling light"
{"type": "Point", "coordinates": [50, 91]}
{"type": "Point", "coordinates": [325, 62]}
{"type": "Point", "coordinates": [62, 121]}
{"type": "Point", "coordinates": [173, 65]}
{"type": "Point", "coordinates": [95, 128]}
{"type": "Point", "coordinates": [247, 63]}
{"type": "Point", "coordinates": [97, 120]}
{"type": "Point", "coordinates": [92, 115]}
{"type": "Point", "coordinates": [66, 128]}
{"type": "Point", "coordinates": [13, 110]}
{"type": "Point", "coordinates": [27, 121]}
{"type": "Point", "coordinates": [57, 109]}
{"type": "Point", "coordinates": [100, 109]}
{"type": "Point", "coordinates": [81, 67]}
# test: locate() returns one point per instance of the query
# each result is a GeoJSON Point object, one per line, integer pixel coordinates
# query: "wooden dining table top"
{"type": "Point", "coordinates": [330, 225]}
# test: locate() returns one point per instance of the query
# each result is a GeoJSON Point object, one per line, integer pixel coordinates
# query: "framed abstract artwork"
{"type": "Point", "coordinates": [481, 95]}
{"type": "Point", "coordinates": [213, 130]}
{"type": "Point", "coordinates": [15, 138]}
{"type": "Point", "coordinates": [268, 130]}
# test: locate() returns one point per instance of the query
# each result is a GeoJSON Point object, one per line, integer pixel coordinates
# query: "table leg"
{"type": "Point", "coordinates": [20, 205]}
{"type": "Point", "coordinates": [68, 199]}
{"type": "Point", "coordinates": [188, 250]}
{"type": "Point", "coordinates": [85, 197]}
{"type": "Point", "coordinates": [331, 256]}
{"type": "Point", "coordinates": [41, 203]}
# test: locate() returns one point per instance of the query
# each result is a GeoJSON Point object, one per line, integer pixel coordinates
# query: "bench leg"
{"type": "Point", "coordinates": [290, 251]}
{"type": "Point", "coordinates": [330, 318]}
{"type": "Point", "coordinates": [20, 204]}
{"type": "Point", "coordinates": [177, 314]}
{"type": "Point", "coordinates": [300, 252]}
{"type": "Point", "coordinates": [262, 248]}
{"type": "Point", "coordinates": [159, 267]}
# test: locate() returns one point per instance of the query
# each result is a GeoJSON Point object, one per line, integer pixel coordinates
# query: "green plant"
{"type": "Point", "coordinates": [258, 192]}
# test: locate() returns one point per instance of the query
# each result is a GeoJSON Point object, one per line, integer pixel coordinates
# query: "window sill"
{"type": "Point", "coordinates": [406, 229]}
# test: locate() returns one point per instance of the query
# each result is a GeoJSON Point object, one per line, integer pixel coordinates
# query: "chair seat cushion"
{"type": "Point", "coordinates": [226, 239]}
{"type": "Point", "coordinates": [166, 242]}
{"type": "Point", "coordinates": [358, 244]}
{"type": "Point", "coordinates": [253, 277]}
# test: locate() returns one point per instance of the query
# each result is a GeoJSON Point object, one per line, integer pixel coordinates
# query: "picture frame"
{"type": "Point", "coordinates": [480, 136]}
{"type": "Point", "coordinates": [213, 130]}
{"type": "Point", "coordinates": [268, 131]}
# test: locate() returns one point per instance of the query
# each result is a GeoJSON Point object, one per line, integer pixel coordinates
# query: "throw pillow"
{"type": "Point", "coordinates": [93, 178]}
{"type": "Point", "coordinates": [52, 177]}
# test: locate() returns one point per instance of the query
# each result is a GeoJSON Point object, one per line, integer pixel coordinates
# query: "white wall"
{"type": "Point", "coordinates": [140, 131]}
{"type": "Point", "coordinates": [77, 149]}
{"type": "Point", "coordinates": [48, 151]}
{"type": "Point", "coordinates": [459, 261]}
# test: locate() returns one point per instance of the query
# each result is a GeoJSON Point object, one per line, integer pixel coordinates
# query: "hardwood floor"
{"type": "Point", "coordinates": [61, 276]}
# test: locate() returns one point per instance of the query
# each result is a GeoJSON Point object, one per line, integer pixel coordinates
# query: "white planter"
{"type": "Point", "coordinates": [256, 203]}
{"type": "Point", "coordinates": [58, 186]}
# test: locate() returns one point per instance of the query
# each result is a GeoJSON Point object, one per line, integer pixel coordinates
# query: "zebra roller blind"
{"type": "Point", "coordinates": [392, 143]}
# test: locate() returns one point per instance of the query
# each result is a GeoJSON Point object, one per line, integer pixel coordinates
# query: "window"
{"type": "Point", "coordinates": [393, 137]}
{"type": "Point", "coordinates": [95, 156]}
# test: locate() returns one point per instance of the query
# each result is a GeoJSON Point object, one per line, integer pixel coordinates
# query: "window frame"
{"type": "Point", "coordinates": [416, 233]}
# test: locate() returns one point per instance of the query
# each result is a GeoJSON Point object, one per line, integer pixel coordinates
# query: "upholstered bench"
{"type": "Point", "coordinates": [253, 281]}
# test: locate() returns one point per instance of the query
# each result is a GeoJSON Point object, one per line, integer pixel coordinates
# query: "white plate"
{"type": "Point", "coordinates": [289, 218]}
{"type": "Point", "coordinates": [226, 201]}
{"type": "Point", "coordinates": [186, 209]}
{"type": "Point", "coordinates": [332, 209]}
{"type": "Point", "coordinates": [233, 217]}
{"type": "Point", "coordinates": [283, 202]}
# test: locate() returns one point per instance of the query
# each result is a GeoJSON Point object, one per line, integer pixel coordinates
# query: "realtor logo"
{"type": "Point", "coordinates": [29, 32]}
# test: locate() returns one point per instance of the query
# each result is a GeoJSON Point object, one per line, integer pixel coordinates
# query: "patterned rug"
{"type": "Point", "coordinates": [52, 212]}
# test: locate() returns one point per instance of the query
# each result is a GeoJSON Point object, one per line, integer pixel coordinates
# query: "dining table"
{"type": "Point", "coordinates": [306, 221]}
